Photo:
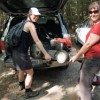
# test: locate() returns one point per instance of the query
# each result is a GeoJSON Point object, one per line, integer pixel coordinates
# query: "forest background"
{"type": "Point", "coordinates": [75, 11]}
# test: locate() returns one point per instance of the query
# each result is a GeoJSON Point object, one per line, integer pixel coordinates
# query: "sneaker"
{"type": "Point", "coordinates": [96, 81]}
{"type": "Point", "coordinates": [31, 94]}
{"type": "Point", "coordinates": [21, 87]}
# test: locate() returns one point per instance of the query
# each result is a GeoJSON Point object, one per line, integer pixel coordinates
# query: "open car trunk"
{"type": "Point", "coordinates": [50, 27]}
{"type": "Point", "coordinates": [13, 7]}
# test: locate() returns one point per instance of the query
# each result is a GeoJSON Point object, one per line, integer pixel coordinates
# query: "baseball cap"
{"type": "Point", "coordinates": [35, 11]}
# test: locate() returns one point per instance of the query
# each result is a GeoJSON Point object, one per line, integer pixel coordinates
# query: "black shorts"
{"type": "Point", "coordinates": [22, 61]}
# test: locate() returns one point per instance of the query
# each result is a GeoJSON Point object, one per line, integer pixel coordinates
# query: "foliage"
{"type": "Point", "coordinates": [76, 11]}
{"type": "Point", "coordinates": [3, 18]}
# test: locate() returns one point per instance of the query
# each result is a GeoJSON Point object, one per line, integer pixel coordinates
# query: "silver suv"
{"type": "Point", "coordinates": [51, 29]}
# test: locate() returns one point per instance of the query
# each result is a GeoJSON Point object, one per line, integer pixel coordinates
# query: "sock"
{"type": "Point", "coordinates": [21, 83]}
{"type": "Point", "coordinates": [27, 90]}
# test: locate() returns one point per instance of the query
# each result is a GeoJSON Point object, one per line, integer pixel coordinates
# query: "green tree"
{"type": "Point", "coordinates": [3, 18]}
{"type": "Point", "coordinates": [75, 11]}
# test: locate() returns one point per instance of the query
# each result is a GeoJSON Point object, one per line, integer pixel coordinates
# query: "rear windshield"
{"type": "Point", "coordinates": [32, 3]}
{"type": "Point", "coordinates": [44, 19]}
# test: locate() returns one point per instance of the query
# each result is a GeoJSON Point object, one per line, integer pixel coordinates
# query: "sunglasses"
{"type": "Point", "coordinates": [95, 12]}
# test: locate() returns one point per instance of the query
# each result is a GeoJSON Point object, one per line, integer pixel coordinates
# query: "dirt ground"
{"type": "Point", "coordinates": [9, 87]}
{"type": "Point", "coordinates": [51, 83]}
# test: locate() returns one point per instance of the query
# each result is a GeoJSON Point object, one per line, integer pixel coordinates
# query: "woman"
{"type": "Point", "coordinates": [91, 51]}
{"type": "Point", "coordinates": [20, 53]}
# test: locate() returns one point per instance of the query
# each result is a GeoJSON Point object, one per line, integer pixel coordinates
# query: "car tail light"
{"type": "Point", "coordinates": [2, 45]}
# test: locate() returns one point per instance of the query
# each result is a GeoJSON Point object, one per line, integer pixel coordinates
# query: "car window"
{"type": "Point", "coordinates": [86, 23]}
{"type": "Point", "coordinates": [44, 19]}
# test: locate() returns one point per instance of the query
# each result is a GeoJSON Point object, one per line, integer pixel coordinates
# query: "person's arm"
{"type": "Point", "coordinates": [93, 38]}
{"type": "Point", "coordinates": [32, 29]}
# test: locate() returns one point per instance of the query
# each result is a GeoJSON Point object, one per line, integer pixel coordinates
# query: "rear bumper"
{"type": "Point", "coordinates": [9, 64]}
{"type": "Point", "coordinates": [52, 64]}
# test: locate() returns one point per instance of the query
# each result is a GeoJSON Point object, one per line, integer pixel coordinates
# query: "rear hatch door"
{"type": "Point", "coordinates": [14, 7]}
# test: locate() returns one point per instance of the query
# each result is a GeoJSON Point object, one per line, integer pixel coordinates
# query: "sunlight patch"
{"type": "Point", "coordinates": [54, 93]}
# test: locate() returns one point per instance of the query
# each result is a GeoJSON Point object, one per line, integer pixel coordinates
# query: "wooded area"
{"type": "Point", "coordinates": [75, 11]}
{"type": "Point", "coordinates": [3, 18]}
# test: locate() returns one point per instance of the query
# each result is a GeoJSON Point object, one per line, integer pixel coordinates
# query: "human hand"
{"type": "Point", "coordinates": [73, 59]}
{"type": "Point", "coordinates": [47, 57]}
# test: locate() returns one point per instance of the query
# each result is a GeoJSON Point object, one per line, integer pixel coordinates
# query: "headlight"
{"type": "Point", "coordinates": [62, 56]}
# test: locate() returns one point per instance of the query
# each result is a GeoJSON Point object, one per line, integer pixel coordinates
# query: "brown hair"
{"type": "Point", "coordinates": [29, 12]}
{"type": "Point", "coordinates": [95, 5]}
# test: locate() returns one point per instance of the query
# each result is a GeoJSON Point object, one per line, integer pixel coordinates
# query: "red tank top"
{"type": "Point", "coordinates": [94, 51]}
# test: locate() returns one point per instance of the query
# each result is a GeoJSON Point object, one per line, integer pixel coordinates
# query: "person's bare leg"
{"type": "Point", "coordinates": [28, 82]}
{"type": "Point", "coordinates": [28, 79]}
{"type": "Point", "coordinates": [21, 76]}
